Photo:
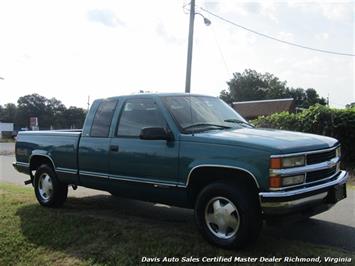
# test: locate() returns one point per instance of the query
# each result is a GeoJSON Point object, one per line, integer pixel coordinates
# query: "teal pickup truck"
{"type": "Point", "coordinates": [191, 151]}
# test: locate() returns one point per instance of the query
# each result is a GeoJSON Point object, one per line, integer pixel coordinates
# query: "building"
{"type": "Point", "coordinates": [6, 129]}
{"type": "Point", "coordinates": [252, 109]}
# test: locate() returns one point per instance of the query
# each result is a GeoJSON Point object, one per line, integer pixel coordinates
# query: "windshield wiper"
{"type": "Point", "coordinates": [205, 125]}
{"type": "Point", "coordinates": [237, 122]}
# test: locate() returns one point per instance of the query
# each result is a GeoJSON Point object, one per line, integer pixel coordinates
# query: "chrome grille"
{"type": "Point", "coordinates": [320, 157]}
{"type": "Point", "coordinates": [320, 174]}
{"type": "Point", "coordinates": [320, 166]}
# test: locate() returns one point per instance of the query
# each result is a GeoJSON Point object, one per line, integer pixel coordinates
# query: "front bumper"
{"type": "Point", "coordinates": [313, 199]}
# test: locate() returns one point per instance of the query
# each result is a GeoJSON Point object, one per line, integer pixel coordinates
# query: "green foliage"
{"type": "Point", "coordinates": [74, 117]}
{"type": "Point", "coordinates": [318, 119]}
{"type": "Point", "coordinates": [251, 85]}
{"type": "Point", "coordinates": [51, 113]}
{"type": "Point", "coordinates": [8, 112]}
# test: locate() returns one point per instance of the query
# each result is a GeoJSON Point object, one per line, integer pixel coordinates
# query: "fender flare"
{"type": "Point", "coordinates": [221, 166]}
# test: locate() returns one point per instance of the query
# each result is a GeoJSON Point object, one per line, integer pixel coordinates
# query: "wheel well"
{"type": "Point", "coordinates": [204, 176]}
{"type": "Point", "coordinates": [37, 161]}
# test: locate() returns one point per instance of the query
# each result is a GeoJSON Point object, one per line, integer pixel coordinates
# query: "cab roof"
{"type": "Point", "coordinates": [136, 95]}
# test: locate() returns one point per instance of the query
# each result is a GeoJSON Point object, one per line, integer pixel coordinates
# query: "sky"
{"type": "Point", "coordinates": [74, 49]}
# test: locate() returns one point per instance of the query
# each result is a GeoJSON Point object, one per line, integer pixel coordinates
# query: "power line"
{"type": "Point", "coordinates": [220, 51]}
{"type": "Point", "coordinates": [273, 38]}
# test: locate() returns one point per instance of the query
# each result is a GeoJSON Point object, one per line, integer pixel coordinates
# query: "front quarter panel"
{"type": "Point", "coordinates": [195, 154]}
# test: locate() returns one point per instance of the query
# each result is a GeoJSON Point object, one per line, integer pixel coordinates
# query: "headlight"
{"type": "Point", "coordinates": [293, 161]}
{"type": "Point", "coordinates": [338, 152]}
{"type": "Point", "coordinates": [287, 162]}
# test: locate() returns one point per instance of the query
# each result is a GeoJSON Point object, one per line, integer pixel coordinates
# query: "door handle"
{"type": "Point", "coordinates": [114, 148]}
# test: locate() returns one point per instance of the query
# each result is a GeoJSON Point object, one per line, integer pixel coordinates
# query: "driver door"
{"type": "Point", "coordinates": [134, 160]}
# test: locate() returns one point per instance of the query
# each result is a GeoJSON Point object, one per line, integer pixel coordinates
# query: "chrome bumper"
{"type": "Point", "coordinates": [282, 202]}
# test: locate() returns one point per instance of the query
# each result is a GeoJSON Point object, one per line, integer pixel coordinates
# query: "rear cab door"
{"type": "Point", "coordinates": [93, 156]}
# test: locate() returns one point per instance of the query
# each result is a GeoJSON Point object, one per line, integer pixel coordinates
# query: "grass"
{"type": "Point", "coordinates": [104, 230]}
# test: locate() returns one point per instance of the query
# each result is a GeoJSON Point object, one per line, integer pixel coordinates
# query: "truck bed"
{"type": "Point", "coordinates": [60, 146]}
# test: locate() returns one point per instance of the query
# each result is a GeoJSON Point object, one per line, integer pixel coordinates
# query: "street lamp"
{"type": "Point", "coordinates": [205, 20]}
{"type": "Point", "coordinates": [190, 43]}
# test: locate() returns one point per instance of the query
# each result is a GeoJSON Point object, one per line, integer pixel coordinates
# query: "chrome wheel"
{"type": "Point", "coordinates": [45, 187]}
{"type": "Point", "coordinates": [222, 217]}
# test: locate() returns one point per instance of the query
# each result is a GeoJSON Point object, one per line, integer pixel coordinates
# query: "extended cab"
{"type": "Point", "coordinates": [190, 151]}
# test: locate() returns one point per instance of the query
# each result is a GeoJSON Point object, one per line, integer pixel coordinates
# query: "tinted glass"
{"type": "Point", "coordinates": [102, 120]}
{"type": "Point", "coordinates": [192, 110]}
{"type": "Point", "coordinates": [138, 114]}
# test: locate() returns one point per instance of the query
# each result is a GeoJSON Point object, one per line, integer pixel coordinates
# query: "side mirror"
{"type": "Point", "coordinates": [155, 133]}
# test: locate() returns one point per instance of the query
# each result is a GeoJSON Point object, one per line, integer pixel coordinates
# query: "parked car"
{"type": "Point", "coordinates": [191, 151]}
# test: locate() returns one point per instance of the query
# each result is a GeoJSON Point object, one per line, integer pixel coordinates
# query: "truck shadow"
{"type": "Point", "coordinates": [164, 225]}
{"type": "Point", "coordinates": [316, 231]}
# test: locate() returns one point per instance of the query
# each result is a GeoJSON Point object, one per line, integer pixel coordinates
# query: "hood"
{"type": "Point", "coordinates": [275, 141]}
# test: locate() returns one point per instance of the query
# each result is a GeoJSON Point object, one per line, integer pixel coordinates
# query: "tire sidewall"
{"type": "Point", "coordinates": [57, 186]}
{"type": "Point", "coordinates": [237, 197]}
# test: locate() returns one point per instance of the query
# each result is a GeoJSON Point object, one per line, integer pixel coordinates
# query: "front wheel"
{"type": "Point", "coordinates": [50, 192]}
{"type": "Point", "coordinates": [228, 215]}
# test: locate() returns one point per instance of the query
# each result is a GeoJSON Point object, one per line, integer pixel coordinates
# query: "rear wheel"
{"type": "Point", "coordinates": [228, 215]}
{"type": "Point", "coordinates": [50, 192]}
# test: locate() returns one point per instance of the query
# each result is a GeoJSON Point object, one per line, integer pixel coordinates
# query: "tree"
{"type": "Point", "coordinates": [312, 98]}
{"type": "Point", "coordinates": [8, 113]}
{"type": "Point", "coordinates": [56, 111]}
{"type": "Point", "coordinates": [298, 95]}
{"type": "Point", "coordinates": [33, 105]}
{"type": "Point", "coordinates": [251, 85]}
{"type": "Point", "coordinates": [51, 113]}
{"type": "Point", "coordinates": [74, 117]}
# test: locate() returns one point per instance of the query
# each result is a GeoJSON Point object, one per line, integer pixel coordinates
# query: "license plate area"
{"type": "Point", "coordinates": [336, 193]}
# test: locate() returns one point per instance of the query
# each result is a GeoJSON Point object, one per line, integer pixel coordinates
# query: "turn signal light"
{"type": "Point", "coordinates": [274, 181]}
{"type": "Point", "coordinates": [275, 163]}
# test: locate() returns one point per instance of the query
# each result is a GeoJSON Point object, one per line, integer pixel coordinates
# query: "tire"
{"type": "Point", "coordinates": [49, 191]}
{"type": "Point", "coordinates": [228, 215]}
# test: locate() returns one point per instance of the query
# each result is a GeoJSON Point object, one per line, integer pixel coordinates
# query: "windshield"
{"type": "Point", "coordinates": [199, 113]}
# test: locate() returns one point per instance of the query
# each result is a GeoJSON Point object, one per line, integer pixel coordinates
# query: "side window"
{"type": "Point", "coordinates": [102, 120]}
{"type": "Point", "coordinates": [138, 114]}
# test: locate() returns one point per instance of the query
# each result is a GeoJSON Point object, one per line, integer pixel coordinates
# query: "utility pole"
{"type": "Point", "coordinates": [88, 102]}
{"type": "Point", "coordinates": [189, 47]}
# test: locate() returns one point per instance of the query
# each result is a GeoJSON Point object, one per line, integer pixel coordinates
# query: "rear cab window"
{"type": "Point", "coordinates": [103, 118]}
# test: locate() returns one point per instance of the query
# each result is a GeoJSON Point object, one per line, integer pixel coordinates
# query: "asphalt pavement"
{"type": "Point", "coordinates": [7, 148]}
{"type": "Point", "coordinates": [335, 228]}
